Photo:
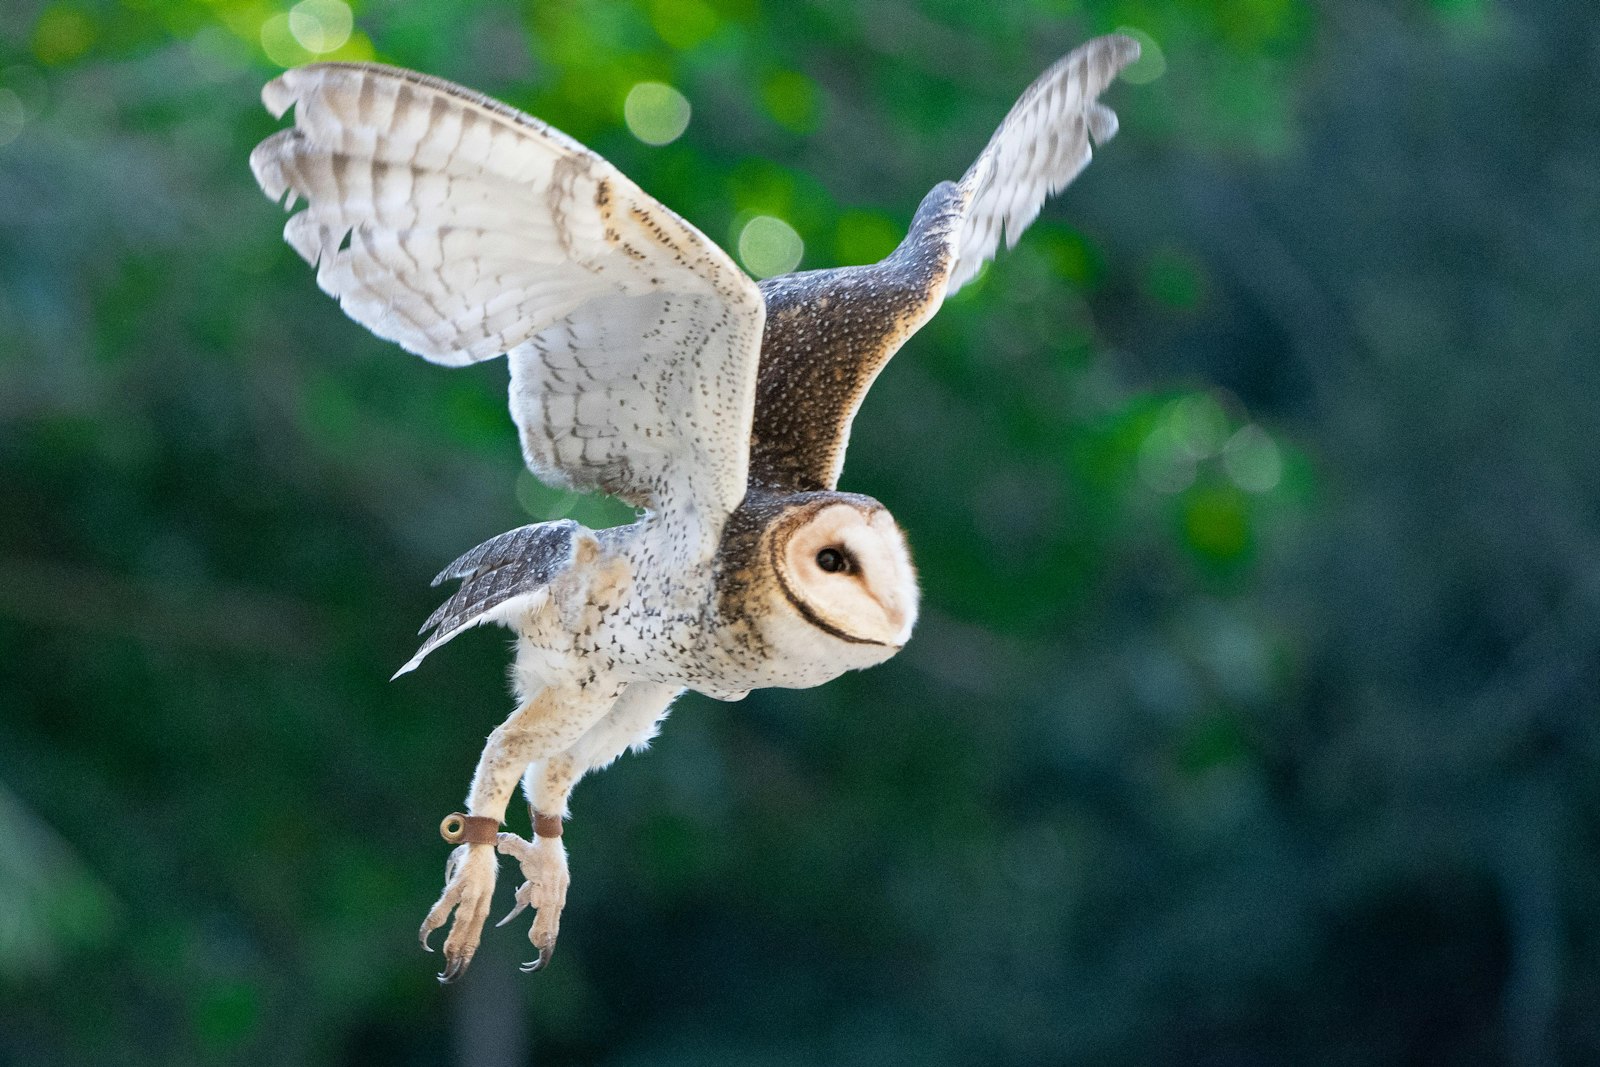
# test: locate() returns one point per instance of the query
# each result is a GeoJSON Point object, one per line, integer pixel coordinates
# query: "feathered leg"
{"type": "Point", "coordinates": [548, 784]}
{"type": "Point", "coordinates": [553, 720]}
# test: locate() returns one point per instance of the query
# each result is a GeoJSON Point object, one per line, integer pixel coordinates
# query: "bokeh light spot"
{"type": "Point", "coordinates": [1070, 255]}
{"type": "Point", "coordinates": [1198, 425]}
{"type": "Point", "coordinates": [546, 503]}
{"type": "Point", "coordinates": [1152, 61]}
{"type": "Point", "coordinates": [62, 33]}
{"type": "Point", "coordinates": [1252, 460]}
{"type": "Point", "coordinates": [1165, 464]}
{"type": "Point", "coordinates": [321, 26]}
{"type": "Point", "coordinates": [1214, 522]}
{"type": "Point", "coordinates": [769, 246]}
{"type": "Point", "coordinates": [12, 116]}
{"type": "Point", "coordinates": [1471, 16]}
{"type": "Point", "coordinates": [683, 24]}
{"type": "Point", "coordinates": [792, 100]}
{"type": "Point", "coordinates": [656, 113]}
{"type": "Point", "coordinates": [30, 86]}
{"type": "Point", "coordinates": [543, 502]}
{"type": "Point", "coordinates": [279, 43]}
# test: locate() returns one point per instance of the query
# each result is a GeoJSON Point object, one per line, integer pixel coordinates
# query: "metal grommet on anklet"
{"type": "Point", "coordinates": [469, 829]}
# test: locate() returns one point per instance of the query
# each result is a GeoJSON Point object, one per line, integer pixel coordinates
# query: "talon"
{"type": "Point", "coordinates": [423, 935]}
{"type": "Point", "coordinates": [544, 866]}
{"type": "Point", "coordinates": [453, 969]}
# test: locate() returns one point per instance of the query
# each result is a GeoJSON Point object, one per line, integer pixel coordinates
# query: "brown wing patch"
{"type": "Point", "coordinates": [828, 334]}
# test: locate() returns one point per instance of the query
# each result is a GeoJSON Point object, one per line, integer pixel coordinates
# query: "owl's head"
{"type": "Point", "coordinates": [843, 570]}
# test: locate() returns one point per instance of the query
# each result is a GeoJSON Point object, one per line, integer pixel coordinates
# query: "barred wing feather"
{"type": "Point", "coordinates": [462, 228]}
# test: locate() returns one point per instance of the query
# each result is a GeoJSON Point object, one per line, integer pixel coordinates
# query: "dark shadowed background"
{"type": "Point", "coordinates": [1252, 716]}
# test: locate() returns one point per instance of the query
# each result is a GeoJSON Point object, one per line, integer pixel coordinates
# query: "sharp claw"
{"type": "Point", "coordinates": [423, 935]}
{"type": "Point", "coordinates": [454, 968]}
{"type": "Point", "coordinates": [545, 952]}
{"type": "Point", "coordinates": [518, 909]}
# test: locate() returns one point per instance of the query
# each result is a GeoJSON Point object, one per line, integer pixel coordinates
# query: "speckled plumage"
{"type": "Point", "coordinates": [644, 364]}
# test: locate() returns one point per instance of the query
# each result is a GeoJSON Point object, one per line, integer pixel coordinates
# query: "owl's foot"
{"type": "Point", "coordinates": [544, 865]}
{"type": "Point", "coordinates": [469, 885]}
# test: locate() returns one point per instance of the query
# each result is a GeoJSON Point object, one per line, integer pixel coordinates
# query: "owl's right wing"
{"type": "Point", "coordinates": [462, 228]}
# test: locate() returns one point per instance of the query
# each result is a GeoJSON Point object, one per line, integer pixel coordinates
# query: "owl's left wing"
{"type": "Point", "coordinates": [829, 333]}
{"type": "Point", "coordinates": [462, 228]}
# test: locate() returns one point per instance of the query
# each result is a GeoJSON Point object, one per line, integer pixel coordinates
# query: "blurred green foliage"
{"type": "Point", "coordinates": [1252, 714]}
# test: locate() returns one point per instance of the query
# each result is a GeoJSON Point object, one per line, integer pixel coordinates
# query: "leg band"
{"type": "Point", "coordinates": [546, 825]}
{"type": "Point", "coordinates": [469, 829]}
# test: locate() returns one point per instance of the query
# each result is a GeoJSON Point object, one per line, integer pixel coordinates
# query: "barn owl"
{"type": "Point", "coordinates": [644, 364]}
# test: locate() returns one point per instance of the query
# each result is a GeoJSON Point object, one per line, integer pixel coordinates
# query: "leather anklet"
{"type": "Point", "coordinates": [469, 829]}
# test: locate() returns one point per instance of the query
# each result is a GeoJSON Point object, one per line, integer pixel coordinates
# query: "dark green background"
{"type": "Point", "coordinates": [1174, 770]}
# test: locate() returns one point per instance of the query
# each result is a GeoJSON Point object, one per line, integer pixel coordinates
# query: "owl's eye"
{"type": "Point", "coordinates": [833, 560]}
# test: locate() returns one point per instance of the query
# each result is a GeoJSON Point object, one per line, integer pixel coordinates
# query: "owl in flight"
{"type": "Point", "coordinates": [644, 364]}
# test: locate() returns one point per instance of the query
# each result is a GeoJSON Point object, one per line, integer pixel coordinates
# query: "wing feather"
{"type": "Point", "coordinates": [462, 229]}
{"type": "Point", "coordinates": [505, 574]}
{"type": "Point", "coordinates": [1044, 142]}
{"type": "Point", "coordinates": [829, 333]}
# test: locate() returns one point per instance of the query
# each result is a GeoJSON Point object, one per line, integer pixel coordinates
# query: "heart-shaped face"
{"type": "Point", "coordinates": [844, 568]}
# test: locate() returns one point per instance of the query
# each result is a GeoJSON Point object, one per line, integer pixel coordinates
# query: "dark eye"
{"type": "Point", "coordinates": [833, 560]}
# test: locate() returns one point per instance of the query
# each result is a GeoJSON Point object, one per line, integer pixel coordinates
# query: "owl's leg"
{"type": "Point", "coordinates": [548, 785]}
{"type": "Point", "coordinates": [548, 723]}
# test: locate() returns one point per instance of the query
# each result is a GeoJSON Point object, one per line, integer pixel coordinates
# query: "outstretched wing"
{"type": "Point", "coordinates": [462, 228]}
{"type": "Point", "coordinates": [829, 333]}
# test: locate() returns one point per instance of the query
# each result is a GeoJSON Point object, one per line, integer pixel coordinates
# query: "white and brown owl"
{"type": "Point", "coordinates": [644, 364]}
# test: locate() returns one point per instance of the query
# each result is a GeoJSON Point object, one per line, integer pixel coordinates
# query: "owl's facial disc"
{"type": "Point", "coordinates": [847, 570]}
